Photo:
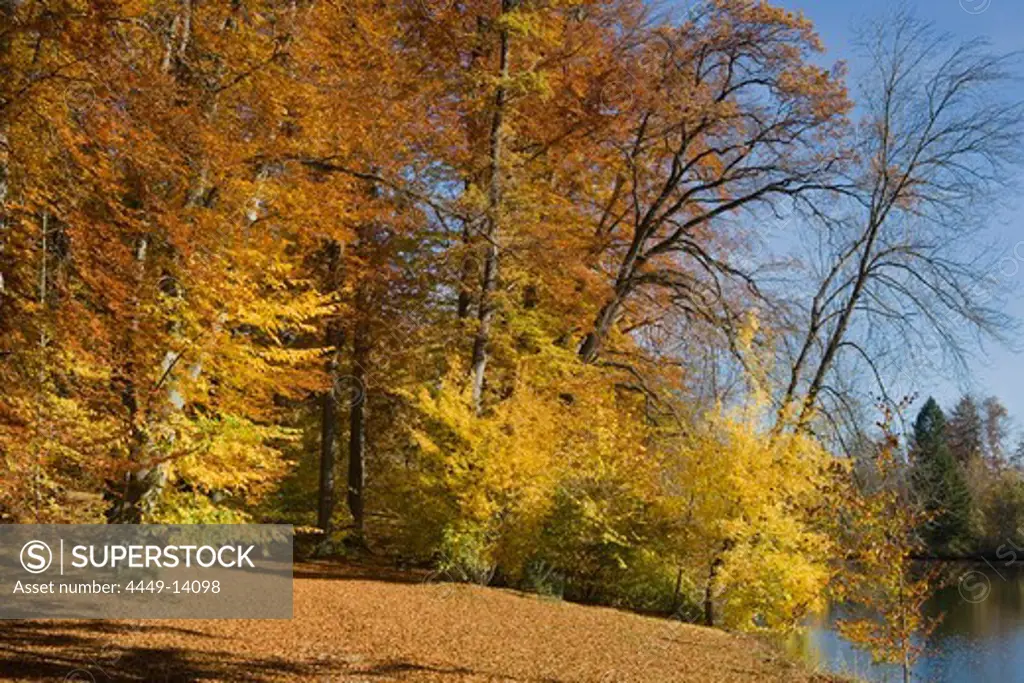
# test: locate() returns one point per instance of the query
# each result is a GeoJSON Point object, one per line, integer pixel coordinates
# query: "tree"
{"type": "Point", "coordinates": [897, 266]}
{"type": "Point", "coordinates": [169, 302]}
{"type": "Point", "coordinates": [719, 99]}
{"type": "Point", "coordinates": [997, 428]}
{"type": "Point", "coordinates": [939, 483]}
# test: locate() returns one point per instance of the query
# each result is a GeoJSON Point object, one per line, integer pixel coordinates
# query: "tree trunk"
{"type": "Point", "coordinates": [709, 592]}
{"type": "Point", "coordinates": [678, 591]}
{"type": "Point", "coordinates": [591, 346]}
{"type": "Point", "coordinates": [328, 433]}
{"type": "Point", "coordinates": [361, 345]}
{"type": "Point", "coordinates": [710, 589]}
{"type": "Point", "coordinates": [592, 342]}
{"type": "Point", "coordinates": [838, 335]}
{"type": "Point", "coordinates": [139, 494]}
{"type": "Point", "coordinates": [329, 399]}
{"type": "Point", "coordinates": [467, 273]}
{"type": "Point", "coordinates": [139, 491]}
{"type": "Point", "coordinates": [492, 230]}
{"type": "Point", "coordinates": [43, 278]}
{"type": "Point", "coordinates": [904, 633]}
{"type": "Point", "coordinates": [469, 267]}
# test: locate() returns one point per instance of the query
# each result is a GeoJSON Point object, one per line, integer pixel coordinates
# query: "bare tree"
{"type": "Point", "coordinates": [900, 261]}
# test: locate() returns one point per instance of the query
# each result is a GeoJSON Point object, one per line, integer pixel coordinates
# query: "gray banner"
{"type": "Point", "coordinates": [124, 571]}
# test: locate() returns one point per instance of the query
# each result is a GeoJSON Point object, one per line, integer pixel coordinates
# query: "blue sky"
{"type": "Point", "coordinates": [995, 370]}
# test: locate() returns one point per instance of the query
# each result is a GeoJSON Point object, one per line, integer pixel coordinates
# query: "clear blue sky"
{"type": "Point", "coordinates": [995, 370]}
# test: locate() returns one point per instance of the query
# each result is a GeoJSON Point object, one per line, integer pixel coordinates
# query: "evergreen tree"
{"type": "Point", "coordinates": [939, 482]}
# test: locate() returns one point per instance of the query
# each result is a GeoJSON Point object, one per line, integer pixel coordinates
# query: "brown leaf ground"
{"type": "Point", "coordinates": [355, 625]}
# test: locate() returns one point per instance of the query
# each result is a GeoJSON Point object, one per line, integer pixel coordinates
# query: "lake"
{"type": "Point", "coordinates": [981, 637]}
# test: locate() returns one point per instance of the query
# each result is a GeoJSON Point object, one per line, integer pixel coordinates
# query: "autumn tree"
{"type": "Point", "coordinates": [727, 114]}
{"type": "Point", "coordinates": [153, 244]}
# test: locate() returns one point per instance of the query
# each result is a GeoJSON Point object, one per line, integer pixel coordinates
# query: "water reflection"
{"type": "Point", "coordinates": [981, 637]}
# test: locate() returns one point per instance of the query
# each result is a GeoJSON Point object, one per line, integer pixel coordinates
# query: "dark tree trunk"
{"type": "Point", "coordinates": [469, 267]}
{"type": "Point", "coordinates": [328, 434]}
{"type": "Point", "coordinates": [361, 345]}
{"type": "Point", "coordinates": [709, 590]}
{"type": "Point", "coordinates": [467, 276]}
{"type": "Point", "coordinates": [329, 399]}
{"type": "Point", "coordinates": [591, 346]}
{"type": "Point", "coordinates": [133, 497]}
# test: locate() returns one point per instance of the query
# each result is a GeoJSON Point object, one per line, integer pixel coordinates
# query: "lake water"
{"type": "Point", "coordinates": [980, 639]}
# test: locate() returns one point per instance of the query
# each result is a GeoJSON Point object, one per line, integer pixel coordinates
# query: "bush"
{"type": "Point", "coordinates": [466, 555]}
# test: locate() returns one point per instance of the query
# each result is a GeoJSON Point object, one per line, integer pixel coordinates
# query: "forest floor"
{"type": "Point", "coordinates": [354, 624]}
